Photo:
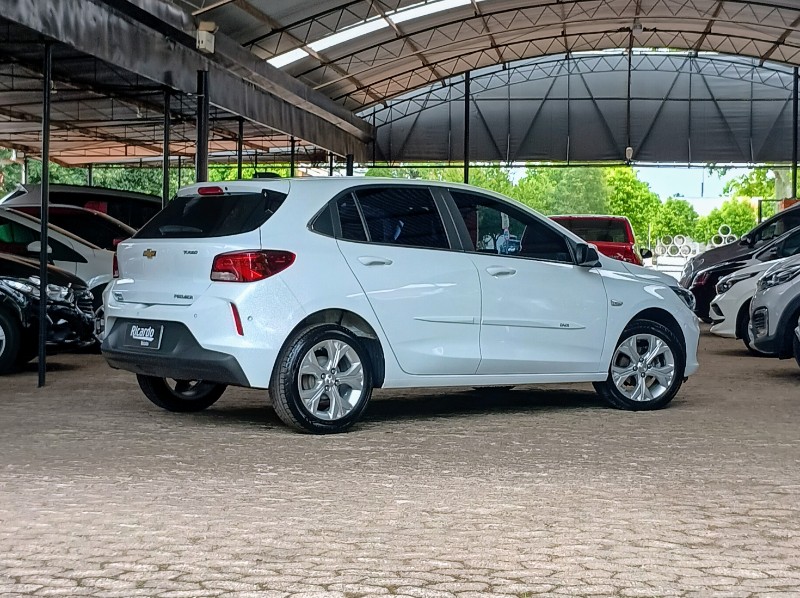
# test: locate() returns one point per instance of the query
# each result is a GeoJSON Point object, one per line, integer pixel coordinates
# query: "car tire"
{"type": "Point", "coordinates": [10, 343]}
{"type": "Point", "coordinates": [314, 391]}
{"type": "Point", "coordinates": [629, 388]}
{"type": "Point", "coordinates": [744, 332]}
{"type": "Point", "coordinates": [796, 349]}
{"type": "Point", "coordinates": [186, 396]}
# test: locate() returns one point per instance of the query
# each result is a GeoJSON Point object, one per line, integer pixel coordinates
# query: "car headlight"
{"type": "Point", "coordinates": [778, 277]}
{"type": "Point", "coordinates": [686, 296]}
{"type": "Point", "coordinates": [23, 287]}
{"type": "Point", "coordinates": [58, 293]}
{"type": "Point", "coordinates": [726, 283]}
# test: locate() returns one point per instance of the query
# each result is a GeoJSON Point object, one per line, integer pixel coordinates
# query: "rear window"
{"type": "Point", "coordinates": [596, 229]}
{"type": "Point", "coordinates": [202, 216]}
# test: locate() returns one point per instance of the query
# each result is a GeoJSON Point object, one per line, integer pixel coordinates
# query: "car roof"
{"type": "Point", "coordinates": [78, 209]}
{"type": "Point", "coordinates": [590, 216]}
{"type": "Point", "coordinates": [34, 191]}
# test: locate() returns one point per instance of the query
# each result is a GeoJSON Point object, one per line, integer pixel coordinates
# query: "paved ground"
{"type": "Point", "coordinates": [533, 492]}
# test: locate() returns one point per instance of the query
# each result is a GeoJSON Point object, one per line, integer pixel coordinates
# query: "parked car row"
{"type": "Point", "coordinates": [81, 241]}
{"type": "Point", "coordinates": [750, 290]}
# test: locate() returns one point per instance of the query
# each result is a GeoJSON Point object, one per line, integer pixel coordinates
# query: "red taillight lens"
{"type": "Point", "coordinates": [115, 267]}
{"type": "Point", "coordinates": [250, 266]}
{"type": "Point", "coordinates": [210, 190]}
{"type": "Point", "coordinates": [237, 320]}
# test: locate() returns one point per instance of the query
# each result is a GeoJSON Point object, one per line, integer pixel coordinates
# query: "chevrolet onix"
{"type": "Point", "coordinates": [322, 289]}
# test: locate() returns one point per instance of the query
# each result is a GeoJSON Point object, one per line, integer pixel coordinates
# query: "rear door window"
{"type": "Point", "coordinates": [205, 216]}
{"type": "Point", "coordinates": [403, 216]}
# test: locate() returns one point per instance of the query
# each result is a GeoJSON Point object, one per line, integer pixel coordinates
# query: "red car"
{"type": "Point", "coordinates": [613, 235]}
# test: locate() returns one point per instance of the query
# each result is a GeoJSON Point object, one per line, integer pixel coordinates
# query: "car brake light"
{"type": "Point", "coordinates": [250, 266]}
{"type": "Point", "coordinates": [210, 190]}
{"type": "Point", "coordinates": [115, 267]}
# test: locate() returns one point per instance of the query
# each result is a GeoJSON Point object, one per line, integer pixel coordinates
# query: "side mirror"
{"type": "Point", "coordinates": [746, 240]}
{"type": "Point", "coordinates": [36, 247]}
{"type": "Point", "coordinates": [646, 253]}
{"type": "Point", "coordinates": [586, 256]}
{"type": "Point", "coordinates": [773, 252]}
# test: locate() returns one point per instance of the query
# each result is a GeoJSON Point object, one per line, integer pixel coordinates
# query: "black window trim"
{"type": "Point", "coordinates": [439, 200]}
{"type": "Point", "coordinates": [469, 246]}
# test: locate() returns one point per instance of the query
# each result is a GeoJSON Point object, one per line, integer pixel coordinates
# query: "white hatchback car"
{"type": "Point", "coordinates": [322, 289]}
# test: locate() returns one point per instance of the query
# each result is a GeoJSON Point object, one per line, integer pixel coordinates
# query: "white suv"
{"type": "Point", "coordinates": [323, 289]}
{"type": "Point", "coordinates": [775, 308]}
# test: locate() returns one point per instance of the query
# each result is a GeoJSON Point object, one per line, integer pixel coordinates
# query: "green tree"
{"type": "Point", "coordinates": [563, 190]}
{"type": "Point", "coordinates": [675, 217]}
{"type": "Point", "coordinates": [736, 213]}
{"type": "Point", "coordinates": [630, 197]}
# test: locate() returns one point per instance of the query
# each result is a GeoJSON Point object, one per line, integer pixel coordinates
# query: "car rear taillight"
{"type": "Point", "coordinates": [250, 266]}
{"type": "Point", "coordinates": [115, 267]}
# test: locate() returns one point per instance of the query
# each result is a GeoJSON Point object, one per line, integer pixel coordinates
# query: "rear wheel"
{"type": "Point", "coordinates": [180, 395]}
{"type": "Point", "coordinates": [646, 370]}
{"type": "Point", "coordinates": [10, 341]}
{"type": "Point", "coordinates": [322, 380]}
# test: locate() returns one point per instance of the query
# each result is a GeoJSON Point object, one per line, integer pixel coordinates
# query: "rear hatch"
{"type": "Point", "coordinates": [169, 261]}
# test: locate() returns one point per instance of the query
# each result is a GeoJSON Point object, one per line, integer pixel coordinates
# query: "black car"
{"type": "Point", "coordinates": [134, 209]}
{"type": "Point", "coordinates": [704, 282]}
{"type": "Point", "coordinates": [746, 247]}
{"type": "Point", "coordinates": [69, 309]}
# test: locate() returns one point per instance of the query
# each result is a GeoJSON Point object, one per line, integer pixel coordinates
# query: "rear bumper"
{"type": "Point", "coordinates": [180, 357]}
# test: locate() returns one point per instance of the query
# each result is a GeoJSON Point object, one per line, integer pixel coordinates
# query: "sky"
{"type": "Point", "coordinates": [702, 190]}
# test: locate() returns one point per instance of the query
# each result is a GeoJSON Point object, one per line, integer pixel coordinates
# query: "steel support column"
{"type": "Point", "coordinates": [165, 159]}
{"type": "Point", "coordinates": [330, 164]}
{"type": "Point", "coordinates": [201, 157]}
{"type": "Point", "coordinates": [240, 149]}
{"type": "Point", "coordinates": [466, 126]}
{"type": "Point", "coordinates": [292, 157]}
{"type": "Point", "coordinates": [90, 175]}
{"type": "Point", "coordinates": [349, 167]}
{"type": "Point", "coordinates": [794, 132]}
{"type": "Point", "coordinates": [43, 238]}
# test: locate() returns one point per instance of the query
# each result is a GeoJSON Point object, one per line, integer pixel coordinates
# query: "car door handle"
{"type": "Point", "coordinates": [498, 271]}
{"type": "Point", "coordinates": [371, 260]}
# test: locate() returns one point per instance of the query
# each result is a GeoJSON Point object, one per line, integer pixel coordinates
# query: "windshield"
{"type": "Point", "coordinates": [597, 229]}
{"type": "Point", "coordinates": [203, 216]}
{"type": "Point", "coordinates": [774, 228]}
{"type": "Point", "coordinates": [784, 248]}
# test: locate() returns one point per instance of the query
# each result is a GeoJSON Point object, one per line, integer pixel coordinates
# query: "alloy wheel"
{"type": "Point", "coordinates": [643, 367]}
{"type": "Point", "coordinates": [2, 340]}
{"type": "Point", "coordinates": [330, 381]}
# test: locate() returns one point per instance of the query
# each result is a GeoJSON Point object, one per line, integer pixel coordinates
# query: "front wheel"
{"type": "Point", "coordinates": [322, 380]}
{"type": "Point", "coordinates": [646, 370]}
{"type": "Point", "coordinates": [10, 343]}
{"type": "Point", "coordinates": [180, 395]}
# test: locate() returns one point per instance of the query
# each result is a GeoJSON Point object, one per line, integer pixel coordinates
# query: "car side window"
{"type": "Point", "coordinates": [790, 245]}
{"type": "Point", "coordinates": [350, 219]}
{"type": "Point", "coordinates": [497, 228]}
{"type": "Point", "coordinates": [403, 216]}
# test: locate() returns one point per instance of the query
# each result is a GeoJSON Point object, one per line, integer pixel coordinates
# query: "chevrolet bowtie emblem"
{"type": "Point", "coordinates": [149, 253]}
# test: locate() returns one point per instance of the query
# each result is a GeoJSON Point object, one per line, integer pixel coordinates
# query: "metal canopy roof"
{"type": "Point", "coordinates": [309, 68]}
{"type": "Point", "coordinates": [408, 43]}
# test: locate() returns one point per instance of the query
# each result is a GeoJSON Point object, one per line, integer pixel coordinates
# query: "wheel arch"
{"type": "Point", "coordinates": [741, 316]}
{"type": "Point", "coordinates": [360, 327]}
{"type": "Point", "coordinates": [664, 318]}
